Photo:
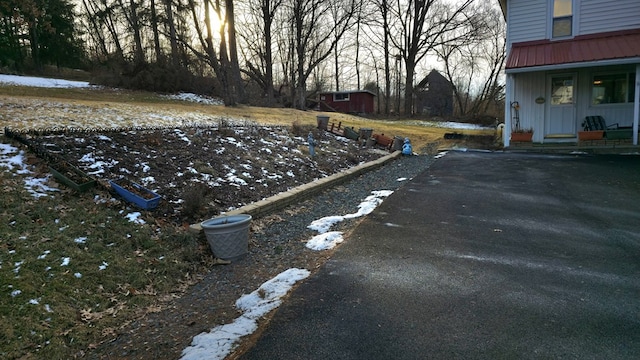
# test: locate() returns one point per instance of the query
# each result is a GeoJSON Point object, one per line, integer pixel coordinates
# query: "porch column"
{"type": "Point", "coordinates": [636, 106]}
{"type": "Point", "coordinates": [508, 98]}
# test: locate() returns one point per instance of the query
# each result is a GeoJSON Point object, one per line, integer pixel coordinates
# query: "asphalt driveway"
{"type": "Point", "coordinates": [483, 256]}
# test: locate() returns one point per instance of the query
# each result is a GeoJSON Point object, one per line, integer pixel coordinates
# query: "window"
{"type": "Point", "coordinates": [341, 97]}
{"type": "Point", "coordinates": [613, 88]}
{"type": "Point", "coordinates": [562, 90]}
{"type": "Point", "coordinates": [562, 18]}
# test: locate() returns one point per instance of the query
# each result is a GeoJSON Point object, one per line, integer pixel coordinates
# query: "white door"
{"type": "Point", "coordinates": [561, 115]}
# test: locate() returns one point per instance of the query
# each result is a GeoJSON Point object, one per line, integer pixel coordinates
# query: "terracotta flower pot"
{"type": "Point", "coordinates": [590, 135]}
{"type": "Point", "coordinates": [521, 136]}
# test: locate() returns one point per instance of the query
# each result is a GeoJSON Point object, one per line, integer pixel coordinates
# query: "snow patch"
{"type": "Point", "coordinates": [221, 340]}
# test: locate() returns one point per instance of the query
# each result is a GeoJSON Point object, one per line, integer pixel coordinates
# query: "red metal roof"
{"type": "Point", "coordinates": [585, 48]}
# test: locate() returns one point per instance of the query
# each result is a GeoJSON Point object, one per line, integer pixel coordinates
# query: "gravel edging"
{"type": "Point", "coordinates": [296, 195]}
{"type": "Point", "coordinates": [344, 198]}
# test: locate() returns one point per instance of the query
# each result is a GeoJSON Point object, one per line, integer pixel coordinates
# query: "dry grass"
{"type": "Point", "coordinates": [135, 103]}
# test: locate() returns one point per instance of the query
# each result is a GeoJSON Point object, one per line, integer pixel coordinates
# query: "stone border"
{"type": "Point", "coordinates": [297, 194]}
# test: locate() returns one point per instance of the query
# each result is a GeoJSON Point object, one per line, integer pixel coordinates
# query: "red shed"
{"type": "Point", "coordinates": [351, 102]}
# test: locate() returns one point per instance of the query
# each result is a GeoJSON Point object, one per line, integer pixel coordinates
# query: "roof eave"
{"type": "Point", "coordinates": [609, 62]}
{"type": "Point", "coordinates": [347, 92]}
{"type": "Point", "coordinates": [503, 6]}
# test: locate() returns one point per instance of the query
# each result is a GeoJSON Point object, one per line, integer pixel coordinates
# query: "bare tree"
{"type": "Point", "coordinates": [346, 56]}
{"type": "Point", "coordinates": [422, 25]}
{"type": "Point", "coordinates": [224, 62]}
{"type": "Point", "coordinates": [156, 34]}
{"type": "Point", "coordinates": [235, 78]}
{"type": "Point", "coordinates": [94, 29]}
{"type": "Point", "coordinates": [494, 55]}
{"type": "Point", "coordinates": [158, 17]}
{"type": "Point", "coordinates": [315, 36]}
{"type": "Point", "coordinates": [474, 64]}
{"type": "Point", "coordinates": [257, 34]}
{"type": "Point", "coordinates": [378, 34]}
{"type": "Point", "coordinates": [101, 13]}
{"type": "Point", "coordinates": [173, 36]}
{"type": "Point", "coordinates": [131, 15]}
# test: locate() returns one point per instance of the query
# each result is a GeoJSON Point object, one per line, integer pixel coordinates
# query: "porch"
{"type": "Point", "coordinates": [552, 86]}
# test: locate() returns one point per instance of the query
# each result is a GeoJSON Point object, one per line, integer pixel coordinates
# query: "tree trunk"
{"type": "Point", "coordinates": [111, 27]}
{"type": "Point", "coordinates": [408, 90]}
{"type": "Point", "coordinates": [357, 64]}
{"type": "Point", "coordinates": [267, 17]}
{"type": "Point", "coordinates": [156, 34]}
{"type": "Point", "coordinates": [336, 66]}
{"type": "Point", "coordinates": [235, 79]}
{"type": "Point", "coordinates": [132, 20]}
{"type": "Point", "coordinates": [387, 65]}
{"type": "Point", "coordinates": [173, 40]}
{"type": "Point", "coordinates": [35, 46]}
{"type": "Point", "coordinates": [97, 33]}
{"type": "Point", "coordinates": [300, 86]}
{"type": "Point", "coordinates": [137, 38]}
{"type": "Point", "coordinates": [222, 72]}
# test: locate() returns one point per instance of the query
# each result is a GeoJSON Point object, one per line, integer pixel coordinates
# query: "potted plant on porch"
{"type": "Point", "coordinates": [590, 135]}
{"type": "Point", "coordinates": [519, 134]}
{"type": "Point", "coordinates": [522, 135]}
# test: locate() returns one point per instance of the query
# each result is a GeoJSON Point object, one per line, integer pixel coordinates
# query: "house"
{"type": "Point", "coordinates": [569, 59]}
{"type": "Point", "coordinates": [434, 95]}
{"type": "Point", "coordinates": [350, 102]}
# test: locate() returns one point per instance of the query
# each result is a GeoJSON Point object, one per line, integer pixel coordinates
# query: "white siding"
{"type": "Point", "coordinates": [601, 16]}
{"type": "Point", "coordinates": [527, 20]}
{"type": "Point", "coordinates": [528, 87]}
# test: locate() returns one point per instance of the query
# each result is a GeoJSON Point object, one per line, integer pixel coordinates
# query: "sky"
{"type": "Point", "coordinates": [221, 340]}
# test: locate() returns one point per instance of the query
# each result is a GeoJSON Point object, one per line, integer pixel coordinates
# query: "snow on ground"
{"type": "Point", "coordinates": [134, 217]}
{"type": "Point", "coordinates": [440, 154]}
{"type": "Point", "coordinates": [33, 81]}
{"type": "Point", "coordinates": [447, 125]}
{"type": "Point", "coordinates": [221, 340]}
{"type": "Point", "coordinates": [41, 82]}
{"type": "Point", "coordinates": [196, 98]}
{"type": "Point", "coordinates": [12, 160]}
{"type": "Point", "coordinates": [329, 239]}
{"type": "Point", "coordinates": [18, 113]}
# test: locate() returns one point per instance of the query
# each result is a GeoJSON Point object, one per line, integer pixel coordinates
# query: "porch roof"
{"type": "Point", "coordinates": [584, 50]}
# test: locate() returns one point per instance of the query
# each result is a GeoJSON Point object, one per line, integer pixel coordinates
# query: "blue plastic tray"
{"type": "Point", "coordinates": [142, 202]}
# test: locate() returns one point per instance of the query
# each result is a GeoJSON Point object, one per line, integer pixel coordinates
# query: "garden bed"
{"type": "Point", "coordinates": [203, 172]}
